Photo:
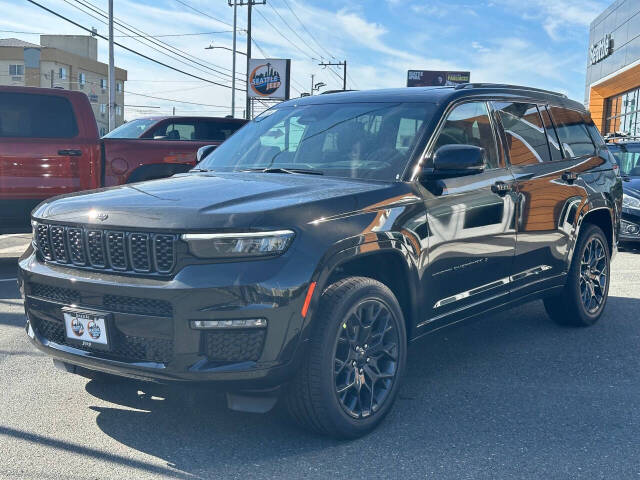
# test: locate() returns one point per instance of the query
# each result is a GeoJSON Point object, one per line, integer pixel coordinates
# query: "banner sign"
{"type": "Point", "coordinates": [433, 78]}
{"type": "Point", "coordinates": [269, 78]}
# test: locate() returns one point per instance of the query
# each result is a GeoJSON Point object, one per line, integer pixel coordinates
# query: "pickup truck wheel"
{"type": "Point", "coordinates": [585, 294]}
{"type": "Point", "coordinates": [356, 357]}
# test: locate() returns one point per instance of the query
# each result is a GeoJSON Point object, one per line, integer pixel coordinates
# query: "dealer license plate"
{"type": "Point", "coordinates": [85, 328]}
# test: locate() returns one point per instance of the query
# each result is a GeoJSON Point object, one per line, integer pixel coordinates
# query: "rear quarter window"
{"type": "Point", "coordinates": [573, 134]}
{"type": "Point", "coordinates": [25, 115]}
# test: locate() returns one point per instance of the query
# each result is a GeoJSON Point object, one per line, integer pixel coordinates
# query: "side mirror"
{"type": "Point", "coordinates": [456, 161]}
{"type": "Point", "coordinates": [204, 151]}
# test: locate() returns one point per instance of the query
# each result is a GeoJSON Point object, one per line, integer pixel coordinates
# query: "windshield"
{"type": "Point", "coordinates": [132, 129]}
{"type": "Point", "coordinates": [355, 140]}
{"type": "Point", "coordinates": [627, 157]}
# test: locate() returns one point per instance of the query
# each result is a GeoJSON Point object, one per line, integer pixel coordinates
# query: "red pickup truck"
{"type": "Point", "coordinates": [49, 145]}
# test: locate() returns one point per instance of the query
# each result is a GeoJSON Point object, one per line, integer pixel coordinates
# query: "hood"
{"type": "Point", "coordinates": [208, 200]}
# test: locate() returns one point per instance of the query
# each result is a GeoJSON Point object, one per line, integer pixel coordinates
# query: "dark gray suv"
{"type": "Point", "coordinates": [302, 256]}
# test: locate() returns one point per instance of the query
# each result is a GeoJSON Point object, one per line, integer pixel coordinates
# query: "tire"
{"type": "Point", "coordinates": [312, 398]}
{"type": "Point", "coordinates": [584, 297]}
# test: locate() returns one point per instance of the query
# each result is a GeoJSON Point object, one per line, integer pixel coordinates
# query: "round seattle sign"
{"type": "Point", "coordinates": [265, 80]}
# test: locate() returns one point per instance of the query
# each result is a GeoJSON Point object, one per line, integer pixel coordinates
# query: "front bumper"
{"type": "Point", "coordinates": [152, 338]}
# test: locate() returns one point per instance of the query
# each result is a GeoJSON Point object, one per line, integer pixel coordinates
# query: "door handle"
{"type": "Point", "coordinates": [70, 153]}
{"type": "Point", "coordinates": [569, 177]}
{"type": "Point", "coordinates": [500, 188]}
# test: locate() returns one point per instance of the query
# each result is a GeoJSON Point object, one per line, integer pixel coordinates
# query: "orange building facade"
{"type": "Point", "coordinates": [613, 69]}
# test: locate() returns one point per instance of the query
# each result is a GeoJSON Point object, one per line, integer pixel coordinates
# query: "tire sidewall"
{"type": "Point", "coordinates": [347, 425]}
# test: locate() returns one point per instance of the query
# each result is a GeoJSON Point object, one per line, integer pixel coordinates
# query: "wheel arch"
{"type": "Point", "coordinates": [388, 262]}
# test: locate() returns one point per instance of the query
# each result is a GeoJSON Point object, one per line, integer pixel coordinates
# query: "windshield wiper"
{"type": "Point", "coordinates": [284, 170]}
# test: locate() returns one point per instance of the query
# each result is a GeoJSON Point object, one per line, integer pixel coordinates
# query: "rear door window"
{"type": "Point", "coordinates": [552, 137]}
{"type": "Point", "coordinates": [175, 131]}
{"type": "Point", "coordinates": [525, 133]}
{"type": "Point", "coordinates": [572, 132]}
{"type": "Point", "coordinates": [36, 116]}
{"type": "Point", "coordinates": [215, 131]}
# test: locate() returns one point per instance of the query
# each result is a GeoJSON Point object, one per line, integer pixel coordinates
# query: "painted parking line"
{"type": "Point", "coordinates": [8, 279]}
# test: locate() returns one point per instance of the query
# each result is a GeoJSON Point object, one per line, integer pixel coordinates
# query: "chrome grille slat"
{"type": "Point", "coordinates": [120, 251]}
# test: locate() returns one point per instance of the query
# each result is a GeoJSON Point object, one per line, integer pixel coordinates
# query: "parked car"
{"type": "Point", "coordinates": [49, 146]}
{"type": "Point", "coordinates": [627, 154]}
{"type": "Point", "coordinates": [305, 253]}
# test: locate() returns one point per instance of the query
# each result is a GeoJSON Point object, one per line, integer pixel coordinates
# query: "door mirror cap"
{"type": "Point", "coordinates": [456, 161]}
{"type": "Point", "coordinates": [204, 151]}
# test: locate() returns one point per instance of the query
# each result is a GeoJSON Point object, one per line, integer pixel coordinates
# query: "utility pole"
{"type": "Point", "coordinates": [233, 67]}
{"type": "Point", "coordinates": [249, 6]}
{"type": "Point", "coordinates": [111, 76]}
{"type": "Point", "coordinates": [312, 84]}
{"type": "Point", "coordinates": [342, 64]}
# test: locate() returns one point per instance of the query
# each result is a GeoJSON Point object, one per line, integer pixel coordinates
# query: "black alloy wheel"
{"type": "Point", "coordinates": [365, 358]}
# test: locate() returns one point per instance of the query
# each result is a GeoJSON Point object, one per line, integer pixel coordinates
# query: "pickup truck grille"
{"type": "Point", "coordinates": [116, 250]}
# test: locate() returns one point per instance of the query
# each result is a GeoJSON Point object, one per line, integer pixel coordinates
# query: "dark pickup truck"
{"type": "Point", "coordinates": [49, 145]}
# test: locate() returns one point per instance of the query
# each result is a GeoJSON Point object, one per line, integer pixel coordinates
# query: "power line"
{"type": "Point", "coordinates": [283, 36]}
{"type": "Point", "coordinates": [294, 32]}
{"type": "Point", "coordinates": [203, 13]}
{"type": "Point", "coordinates": [175, 101]}
{"type": "Point", "coordinates": [306, 29]}
{"type": "Point", "coordinates": [174, 50]}
{"type": "Point", "coordinates": [125, 47]}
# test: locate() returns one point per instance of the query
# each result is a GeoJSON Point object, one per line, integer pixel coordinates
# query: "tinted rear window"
{"type": "Point", "coordinates": [217, 131]}
{"type": "Point", "coordinates": [36, 116]}
{"type": "Point", "coordinates": [572, 132]}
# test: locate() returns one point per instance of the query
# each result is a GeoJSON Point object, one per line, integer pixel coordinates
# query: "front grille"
{"type": "Point", "coordinates": [139, 306]}
{"type": "Point", "coordinates": [123, 346]}
{"type": "Point", "coordinates": [233, 345]}
{"type": "Point", "coordinates": [64, 295]}
{"type": "Point", "coordinates": [133, 252]}
{"type": "Point", "coordinates": [111, 303]}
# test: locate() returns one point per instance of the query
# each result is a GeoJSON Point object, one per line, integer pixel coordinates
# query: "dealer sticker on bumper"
{"type": "Point", "coordinates": [87, 328]}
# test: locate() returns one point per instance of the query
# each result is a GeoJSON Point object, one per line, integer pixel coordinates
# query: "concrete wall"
{"type": "Point", "coordinates": [81, 45]}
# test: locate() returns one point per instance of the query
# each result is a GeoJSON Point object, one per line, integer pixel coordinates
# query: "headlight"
{"type": "Point", "coordinates": [231, 245]}
{"type": "Point", "coordinates": [630, 202]}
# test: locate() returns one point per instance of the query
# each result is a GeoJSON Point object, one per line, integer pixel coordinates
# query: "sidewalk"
{"type": "Point", "coordinates": [12, 246]}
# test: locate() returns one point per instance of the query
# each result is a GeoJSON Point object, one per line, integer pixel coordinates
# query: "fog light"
{"type": "Point", "coordinates": [630, 228]}
{"type": "Point", "coordinates": [245, 323]}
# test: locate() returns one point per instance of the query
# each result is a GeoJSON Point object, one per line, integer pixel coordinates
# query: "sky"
{"type": "Point", "coordinates": [540, 43]}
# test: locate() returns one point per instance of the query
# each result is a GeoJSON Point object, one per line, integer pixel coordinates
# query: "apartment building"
{"type": "Point", "coordinates": [63, 61]}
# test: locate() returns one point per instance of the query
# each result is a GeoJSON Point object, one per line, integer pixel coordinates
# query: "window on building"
{"type": "Point", "coordinates": [118, 110]}
{"type": "Point", "coordinates": [103, 108]}
{"type": "Point", "coordinates": [119, 87]}
{"type": "Point", "coordinates": [468, 124]}
{"type": "Point", "coordinates": [103, 83]}
{"type": "Point", "coordinates": [62, 73]}
{"type": "Point", "coordinates": [526, 137]}
{"type": "Point", "coordinates": [16, 70]}
{"type": "Point", "coordinates": [622, 113]}
{"type": "Point", "coordinates": [103, 131]}
{"type": "Point", "coordinates": [82, 79]}
{"type": "Point", "coordinates": [572, 132]}
{"type": "Point", "coordinates": [36, 116]}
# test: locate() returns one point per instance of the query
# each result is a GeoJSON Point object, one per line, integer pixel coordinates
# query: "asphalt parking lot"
{"type": "Point", "coordinates": [508, 396]}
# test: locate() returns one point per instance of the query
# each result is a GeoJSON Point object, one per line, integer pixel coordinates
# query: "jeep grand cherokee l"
{"type": "Point", "coordinates": [300, 258]}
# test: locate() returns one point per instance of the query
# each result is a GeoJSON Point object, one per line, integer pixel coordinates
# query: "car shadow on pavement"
{"type": "Point", "coordinates": [505, 386]}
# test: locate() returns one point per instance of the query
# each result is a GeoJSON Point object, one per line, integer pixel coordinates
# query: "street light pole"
{"type": "Point", "coordinates": [312, 84]}
{"type": "Point", "coordinates": [111, 73]}
{"type": "Point", "coordinates": [249, 5]}
{"type": "Point", "coordinates": [233, 68]}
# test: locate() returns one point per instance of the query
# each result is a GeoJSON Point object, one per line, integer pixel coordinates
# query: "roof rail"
{"type": "Point", "coordinates": [461, 86]}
